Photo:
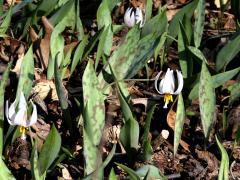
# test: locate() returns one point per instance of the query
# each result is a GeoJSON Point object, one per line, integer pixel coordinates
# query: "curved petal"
{"type": "Point", "coordinates": [168, 85]}
{"type": "Point", "coordinates": [156, 82]}
{"type": "Point", "coordinates": [11, 111]}
{"type": "Point", "coordinates": [129, 17]}
{"type": "Point", "coordinates": [139, 17]}
{"type": "Point", "coordinates": [180, 82]}
{"type": "Point", "coordinates": [22, 101]}
{"type": "Point", "coordinates": [33, 118]}
{"type": "Point", "coordinates": [21, 117]}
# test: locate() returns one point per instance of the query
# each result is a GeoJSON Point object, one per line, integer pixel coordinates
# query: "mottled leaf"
{"type": "Point", "coordinates": [217, 80]}
{"type": "Point", "coordinates": [196, 52]}
{"type": "Point", "coordinates": [206, 100]}
{"type": "Point", "coordinates": [26, 74]}
{"type": "Point", "coordinates": [228, 52]}
{"type": "Point", "coordinates": [224, 165]}
{"type": "Point", "coordinates": [179, 122]}
{"type": "Point", "coordinates": [94, 104]}
{"type": "Point", "coordinates": [199, 23]}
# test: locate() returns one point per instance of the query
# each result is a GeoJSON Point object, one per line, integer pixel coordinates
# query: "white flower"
{"type": "Point", "coordinates": [134, 16]}
{"type": "Point", "coordinates": [167, 85]}
{"type": "Point", "coordinates": [17, 114]}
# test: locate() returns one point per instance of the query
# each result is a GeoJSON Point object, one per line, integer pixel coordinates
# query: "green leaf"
{"type": "Point", "coordinates": [26, 74]}
{"type": "Point", "coordinates": [34, 162]}
{"type": "Point", "coordinates": [61, 93]}
{"type": "Point", "coordinates": [174, 24]}
{"type": "Point", "coordinates": [4, 171]}
{"type": "Point", "coordinates": [132, 174]}
{"type": "Point", "coordinates": [3, 84]}
{"type": "Point", "coordinates": [56, 48]}
{"type": "Point", "coordinates": [148, 14]}
{"type": "Point", "coordinates": [79, 53]}
{"type": "Point", "coordinates": [112, 175]}
{"type": "Point", "coordinates": [94, 104]}
{"type": "Point", "coordinates": [206, 100]}
{"type": "Point", "coordinates": [90, 152]}
{"type": "Point", "coordinates": [49, 150]}
{"type": "Point", "coordinates": [147, 148]}
{"type": "Point", "coordinates": [122, 57]}
{"type": "Point", "coordinates": [105, 43]}
{"type": "Point", "coordinates": [234, 92]}
{"type": "Point", "coordinates": [103, 15]}
{"type": "Point", "coordinates": [184, 58]}
{"type": "Point", "coordinates": [153, 172]}
{"type": "Point", "coordinates": [217, 80]}
{"type": "Point", "coordinates": [6, 22]}
{"type": "Point", "coordinates": [196, 52]}
{"type": "Point", "coordinates": [45, 7]}
{"type": "Point", "coordinates": [228, 52]}
{"type": "Point", "coordinates": [199, 23]}
{"type": "Point", "coordinates": [160, 45]}
{"type": "Point", "coordinates": [224, 166]}
{"type": "Point", "coordinates": [179, 122]}
{"type": "Point", "coordinates": [63, 12]}
{"type": "Point", "coordinates": [152, 26]}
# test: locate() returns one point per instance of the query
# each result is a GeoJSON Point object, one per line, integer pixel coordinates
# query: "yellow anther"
{"type": "Point", "coordinates": [167, 98]}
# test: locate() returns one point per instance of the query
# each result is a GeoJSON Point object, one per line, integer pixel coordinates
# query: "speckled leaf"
{"type": "Point", "coordinates": [94, 104]}
{"type": "Point", "coordinates": [224, 165]}
{"type": "Point", "coordinates": [90, 153]}
{"type": "Point", "coordinates": [228, 52]}
{"type": "Point", "coordinates": [179, 122]}
{"type": "Point", "coordinates": [26, 74]}
{"type": "Point", "coordinates": [217, 80]}
{"type": "Point", "coordinates": [206, 100]}
{"type": "Point", "coordinates": [34, 162]}
{"type": "Point", "coordinates": [122, 57]}
{"type": "Point", "coordinates": [196, 52]}
{"type": "Point", "coordinates": [199, 22]}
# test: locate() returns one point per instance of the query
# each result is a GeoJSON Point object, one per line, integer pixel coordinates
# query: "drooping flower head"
{"type": "Point", "coordinates": [167, 85]}
{"type": "Point", "coordinates": [134, 16]}
{"type": "Point", "coordinates": [17, 114]}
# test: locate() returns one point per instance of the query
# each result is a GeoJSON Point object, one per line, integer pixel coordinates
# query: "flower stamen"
{"type": "Point", "coordinates": [167, 98]}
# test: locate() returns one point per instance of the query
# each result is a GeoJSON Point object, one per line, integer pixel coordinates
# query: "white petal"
{"type": "Point", "coordinates": [180, 82]}
{"type": "Point", "coordinates": [33, 118]}
{"type": "Point", "coordinates": [21, 117]}
{"type": "Point", "coordinates": [10, 112]}
{"type": "Point", "coordinates": [168, 85]}
{"type": "Point", "coordinates": [22, 101]}
{"type": "Point", "coordinates": [156, 82]}
{"type": "Point", "coordinates": [139, 17]}
{"type": "Point", "coordinates": [129, 17]}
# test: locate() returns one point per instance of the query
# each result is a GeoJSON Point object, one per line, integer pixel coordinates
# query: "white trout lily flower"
{"type": "Point", "coordinates": [17, 114]}
{"type": "Point", "coordinates": [167, 85]}
{"type": "Point", "coordinates": [134, 16]}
